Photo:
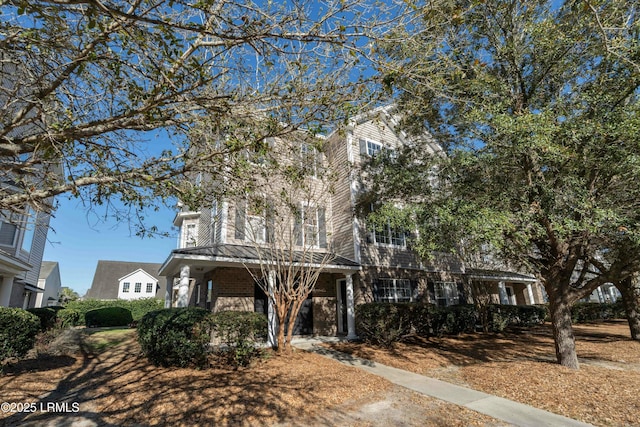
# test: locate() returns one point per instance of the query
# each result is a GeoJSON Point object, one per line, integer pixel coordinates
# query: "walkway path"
{"type": "Point", "coordinates": [497, 407]}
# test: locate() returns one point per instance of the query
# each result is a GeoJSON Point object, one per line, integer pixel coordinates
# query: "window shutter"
{"type": "Point", "coordinates": [363, 146]}
{"type": "Point", "coordinates": [269, 223]}
{"type": "Point", "coordinates": [375, 284]}
{"type": "Point", "coordinates": [322, 228]}
{"type": "Point", "coordinates": [431, 289]}
{"type": "Point", "coordinates": [297, 228]}
{"type": "Point", "coordinates": [240, 219]}
{"type": "Point", "coordinates": [462, 298]}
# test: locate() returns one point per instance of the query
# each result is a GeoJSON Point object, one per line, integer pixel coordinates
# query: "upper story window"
{"type": "Point", "coordinates": [8, 233]}
{"type": "Point", "coordinates": [388, 235]}
{"type": "Point", "coordinates": [125, 287]}
{"type": "Point", "coordinates": [393, 290]}
{"type": "Point", "coordinates": [255, 223]}
{"type": "Point", "coordinates": [310, 159]}
{"type": "Point", "coordinates": [189, 233]}
{"type": "Point", "coordinates": [138, 288]}
{"type": "Point", "coordinates": [29, 231]}
{"type": "Point", "coordinates": [446, 293]}
{"type": "Point", "coordinates": [149, 288]}
{"type": "Point", "coordinates": [310, 226]}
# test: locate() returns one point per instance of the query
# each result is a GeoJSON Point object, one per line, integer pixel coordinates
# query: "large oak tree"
{"type": "Point", "coordinates": [86, 85]}
{"type": "Point", "coordinates": [537, 105]}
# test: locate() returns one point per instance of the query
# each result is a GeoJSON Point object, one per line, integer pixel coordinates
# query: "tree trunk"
{"type": "Point", "coordinates": [630, 290]}
{"type": "Point", "coordinates": [282, 316]}
{"type": "Point", "coordinates": [293, 314]}
{"type": "Point", "coordinates": [564, 340]}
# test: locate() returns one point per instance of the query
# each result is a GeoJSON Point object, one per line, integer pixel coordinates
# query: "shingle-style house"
{"type": "Point", "coordinates": [49, 283]}
{"type": "Point", "coordinates": [210, 266]}
{"type": "Point", "coordinates": [125, 280]}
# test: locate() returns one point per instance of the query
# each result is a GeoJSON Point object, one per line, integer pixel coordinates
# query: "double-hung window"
{"type": "Point", "coordinates": [138, 288]}
{"type": "Point", "coordinates": [149, 288]}
{"type": "Point", "coordinates": [125, 287]}
{"type": "Point", "coordinates": [393, 290]}
{"type": "Point", "coordinates": [446, 293]}
{"type": "Point", "coordinates": [310, 225]}
{"type": "Point", "coordinates": [309, 159]}
{"type": "Point", "coordinates": [255, 222]}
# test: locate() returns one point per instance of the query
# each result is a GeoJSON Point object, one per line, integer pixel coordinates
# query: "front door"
{"type": "Point", "coordinates": [304, 321]}
{"type": "Point", "coordinates": [342, 306]}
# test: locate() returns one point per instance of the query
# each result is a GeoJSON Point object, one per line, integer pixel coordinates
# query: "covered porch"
{"type": "Point", "coordinates": [507, 287]}
{"type": "Point", "coordinates": [224, 277]}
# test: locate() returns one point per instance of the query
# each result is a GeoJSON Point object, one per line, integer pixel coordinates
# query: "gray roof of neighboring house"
{"type": "Point", "coordinates": [105, 279]}
{"type": "Point", "coordinates": [46, 268]}
{"type": "Point", "coordinates": [250, 253]}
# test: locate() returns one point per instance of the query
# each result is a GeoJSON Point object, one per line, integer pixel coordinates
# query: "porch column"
{"type": "Point", "coordinates": [502, 291]}
{"type": "Point", "coordinates": [351, 309]}
{"type": "Point", "coordinates": [530, 292]}
{"type": "Point", "coordinates": [5, 290]}
{"type": "Point", "coordinates": [272, 327]}
{"type": "Point", "coordinates": [168, 293]}
{"type": "Point", "coordinates": [183, 289]}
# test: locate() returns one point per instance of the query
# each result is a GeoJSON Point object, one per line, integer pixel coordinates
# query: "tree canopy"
{"type": "Point", "coordinates": [86, 85]}
{"type": "Point", "coordinates": [537, 106]}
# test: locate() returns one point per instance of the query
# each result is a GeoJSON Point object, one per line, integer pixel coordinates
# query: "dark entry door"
{"type": "Point", "coordinates": [304, 321]}
{"type": "Point", "coordinates": [342, 306]}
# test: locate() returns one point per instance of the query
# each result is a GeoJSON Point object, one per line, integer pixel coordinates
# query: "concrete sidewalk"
{"type": "Point", "coordinates": [502, 409]}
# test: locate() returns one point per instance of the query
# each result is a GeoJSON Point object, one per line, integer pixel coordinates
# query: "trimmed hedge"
{"type": "Point", "coordinates": [383, 324]}
{"type": "Point", "coordinates": [175, 336]}
{"type": "Point", "coordinates": [584, 312]}
{"type": "Point", "coordinates": [138, 307]}
{"type": "Point", "coordinates": [108, 316]}
{"type": "Point", "coordinates": [240, 333]}
{"type": "Point", "coordinates": [18, 330]}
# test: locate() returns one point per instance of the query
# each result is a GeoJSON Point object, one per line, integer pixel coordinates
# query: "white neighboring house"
{"type": "Point", "coordinates": [49, 283]}
{"type": "Point", "coordinates": [136, 285]}
{"type": "Point", "coordinates": [124, 280]}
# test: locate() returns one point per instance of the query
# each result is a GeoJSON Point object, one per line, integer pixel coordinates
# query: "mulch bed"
{"type": "Point", "coordinates": [520, 365]}
{"type": "Point", "coordinates": [119, 387]}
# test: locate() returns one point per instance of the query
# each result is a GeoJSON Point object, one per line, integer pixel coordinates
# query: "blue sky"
{"type": "Point", "coordinates": [77, 240]}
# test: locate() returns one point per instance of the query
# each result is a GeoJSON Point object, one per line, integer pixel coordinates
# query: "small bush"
{"type": "Point", "coordinates": [108, 316]}
{"type": "Point", "coordinates": [383, 324]}
{"type": "Point", "coordinates": [454, 319]}
{"type": "Point", "coordinates": [240, 333]}
{"type": "Point", "coordinates": [142, 306]}
{"type": "Point", "coordinates": [18, 330]}
{"type": "Point", "coordinates": [138, 307]}
{"type": "Point", "coordinates": [48, 316]}
{"type": "Point", "coordinates": [175, 336]}
{"type": "Point", "coordinates": [69, 317]}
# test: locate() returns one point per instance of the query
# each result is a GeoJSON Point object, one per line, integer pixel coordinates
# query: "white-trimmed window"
{"type": "Point", "coordinates": [446, 293]}
{"type": "Point", "coordinates": [189, 234]}
{"type": "Point", "coordinates": [310, 229]}
{"type": "Point", "coordinates": [125, 287]}
{"type": "Point", "coordinates": [138, 288]}
{"type": "Point", "coordinates": [388, 235]}
{"type": "Point", "coordinates": [255, 223]}
{"type": "Point", "coordinates": [149, 288]}
{"type": "Point", "coordinates": [393, 290]}
{"type": "Point", "coordinates": [309, 159]}
{"type": "Point", "coordinates": [29, 230]}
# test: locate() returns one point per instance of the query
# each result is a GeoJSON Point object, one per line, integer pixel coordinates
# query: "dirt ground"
{"type": "Point", "coordinates": [521, 366]}
{"type": "Point", "coordinates": [112, 385]}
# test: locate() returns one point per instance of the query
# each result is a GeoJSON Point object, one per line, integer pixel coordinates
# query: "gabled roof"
{"type": "Point", "coordinates": [109, 273]}
{"type": "Point", "coordinates": [46, 268]}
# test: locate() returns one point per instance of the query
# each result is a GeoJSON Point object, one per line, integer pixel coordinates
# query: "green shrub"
{"type": "Point", "coordinates": [454, 319]}
{"type": "Point", "coordinates": [422, 319]}
{"type": "Point", "coordinates": [383, 324]}
{"type": "Point", "coordinates": [69, 317]}
{"type": "Point", "coordinates": [48, 316]}
{"type": "Point", "coordinates": [583, 312]}
{"type": "Point", "coordinates": [138, 307]}
{"type": "Point", "coordinates": [18, 330]}
{"type": "Point", "coordinates": [175, 336]}
{"type": "Point", "coordinates": [108, 316]}
{"type": "Point", "coordinates": [240, 333]}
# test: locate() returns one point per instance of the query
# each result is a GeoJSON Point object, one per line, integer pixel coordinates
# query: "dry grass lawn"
{"type": "Point", "coordinates": [520, 366]}
{"type": "Point", "coordinates": [114, 385]}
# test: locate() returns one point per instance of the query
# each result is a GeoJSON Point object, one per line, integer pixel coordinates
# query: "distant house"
{"type": "Point", "coordinates": [49, 284]}
{"type": "Point", "coordinates": [125, 280]}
